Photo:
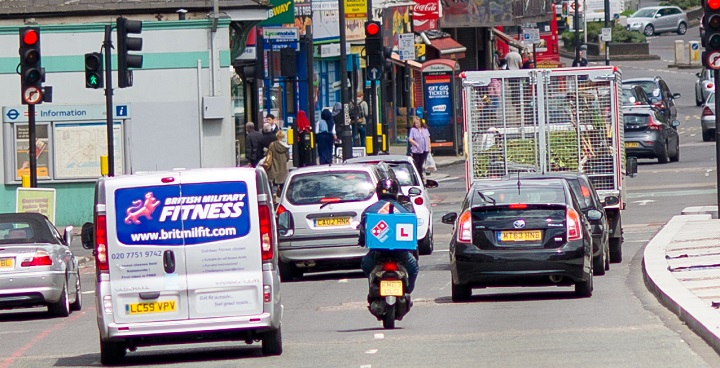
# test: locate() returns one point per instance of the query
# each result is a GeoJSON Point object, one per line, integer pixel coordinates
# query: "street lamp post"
{"type": "Point", "coordinates": [346, 135]}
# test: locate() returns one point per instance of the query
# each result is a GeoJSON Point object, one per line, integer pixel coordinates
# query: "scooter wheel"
{"type": "Point", "coordinates": [389, 318]}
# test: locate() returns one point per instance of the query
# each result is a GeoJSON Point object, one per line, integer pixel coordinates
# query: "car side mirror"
{"type": "Point", "coordinates": [414, 191]}
{"type": "Point", "coordinates": [87, 235]}
{"type": "Point", "coordinates": [429, 183]}
{"type": "Point", "coordinates": [675, 123]}
{"type": "Point", "coordinates": [675, 96]}
{"type": "Point", "coordinates": [449, 218]}
{"type": "Point", "coordinates": [658, 15]}
{"type": "Point", "coordinates": [610, 201]}
{"type": "Point", "coordinates": [594, 215]}
{"type": "Point", "coordinates": [631, 166]}
{"type": "Point", "coordinates": [68, 235]}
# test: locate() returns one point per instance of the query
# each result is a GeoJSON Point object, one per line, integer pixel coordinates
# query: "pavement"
{"type": "Point", "coordinates": [681, 266]}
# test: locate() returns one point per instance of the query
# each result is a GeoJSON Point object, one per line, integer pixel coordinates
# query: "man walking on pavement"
{"type": "Point", "coordinates": [253, 144]}
{"type": "Point", "coordinates": [582, 61]}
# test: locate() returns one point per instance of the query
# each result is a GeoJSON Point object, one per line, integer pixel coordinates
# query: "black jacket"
{"type": "Point", "coordinates": [267, 138]}
{"type": "Point", "coordinates": [254, 146]}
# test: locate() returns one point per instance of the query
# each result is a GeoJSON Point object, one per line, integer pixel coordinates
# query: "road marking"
{"type": "Point", "coordinates": [644, 202]}
{"type": "Point", "coordinates": [371, 351]}
{"type": "Point", "coordinates": [379, 336]}
{"type": "Point", "coordinates": [88, 292]}
{"type": "Point", "coordinates": [672, 194]}
{"type": "Point", "coordinates": [342, 281]}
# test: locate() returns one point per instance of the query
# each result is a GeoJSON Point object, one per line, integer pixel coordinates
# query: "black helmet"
{"type": "Point", "coordinates": [387, 189]}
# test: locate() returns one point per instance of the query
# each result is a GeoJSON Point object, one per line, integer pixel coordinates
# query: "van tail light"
{"type": "Point", "coordinates": [707, 111]}
{"type": "Point", "coordinates": [574, 226]}
{"type": "Point", "coordinates": [418, 201]}
{"type": "Point", "coordinates": [101, 254]}
{"type": "Point", "coordinates": [464, 231]}
{"type": "Point", "coordinates": [266, 240]}
{"type": "Point", "coordinates": [41, 258]}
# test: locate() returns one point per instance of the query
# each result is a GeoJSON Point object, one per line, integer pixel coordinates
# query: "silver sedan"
{"type": "Point", "coordinates": [37, 267]}
{"type": "Point", "coordinates": [707, 119]}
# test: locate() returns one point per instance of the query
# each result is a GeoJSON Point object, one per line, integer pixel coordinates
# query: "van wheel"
{"type": "Point", "coordinates": [62, 307]}
{"type": "Point", "coordinates": [426, 245]}
{"type": "Point", "coordinates": [112, 352]}
{"type": "Point", "coordinates": [615, 250]}
{"type": "Point", "coordinates": [77, 304]}
{"type": "Point", "coordinates": [272, 342]}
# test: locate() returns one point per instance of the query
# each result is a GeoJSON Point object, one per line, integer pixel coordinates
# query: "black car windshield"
{"type": "Point", "coordinates": [650, 87]}
{"type": "Point", "coordinates": [330, 187]}
{"type": "Point", "coordinates": [528, 195]}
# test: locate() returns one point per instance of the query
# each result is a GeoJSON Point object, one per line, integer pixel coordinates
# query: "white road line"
{"type": "Point", "coordinates": [88, 292]}
{"type": "Point", "coordinates": [371, 351]}
{"type": "Point", "coordinates": [343, 281]}
{"type": "Point", "coordinates": [366, 366]}
{"type": "Point", "coordinates": [379, 336]}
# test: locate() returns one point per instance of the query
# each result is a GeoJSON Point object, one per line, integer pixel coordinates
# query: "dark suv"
{"type": "Point", "coordinates": [659, 94]}
{"type": "Point", "coordinates": [648, 135]}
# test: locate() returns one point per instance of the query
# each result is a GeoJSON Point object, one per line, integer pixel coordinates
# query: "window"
{"type": "Point", "coordinates": [330, 187]}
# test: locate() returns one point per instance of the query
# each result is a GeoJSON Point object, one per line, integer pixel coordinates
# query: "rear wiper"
{"type": "Point", "coordinates": [486, 198]}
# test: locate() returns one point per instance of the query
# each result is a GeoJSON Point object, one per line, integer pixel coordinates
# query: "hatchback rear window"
{"type": "Point", "coordinates": [525, 195]}
{"type": "Point", "coordinates": [330, 187]}
{"type": "Point", "coordinates": [636, 119]}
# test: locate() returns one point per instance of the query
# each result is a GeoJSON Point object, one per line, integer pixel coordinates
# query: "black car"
{"type": "Point", "coordinates": [633, 95]}
{"type": "Point", "coordinates": [648, 135]}
{"type": "Point", "coordinates": [592, 208]}
{"type": "Point", "coordinates": [659, 94]}
{"type": "Point", "coordinates": [520, 233]}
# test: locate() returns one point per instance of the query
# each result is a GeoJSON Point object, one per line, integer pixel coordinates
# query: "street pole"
{"type": "Point", "coordinates": [717, 139]}
{"type": "Point", "coordinates": [107, 45]}
{"type": "Point", "coordinates": [32, 155]}
{"type": "Point", "coordinates": [346, 136]}
{"type": "Point", "coordinates": [576, 25]}
{"type": "Point", "coordinates": [607, 25]}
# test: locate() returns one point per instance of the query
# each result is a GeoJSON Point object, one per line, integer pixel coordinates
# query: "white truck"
{"type": "Point", "coordinates": [550, 120]}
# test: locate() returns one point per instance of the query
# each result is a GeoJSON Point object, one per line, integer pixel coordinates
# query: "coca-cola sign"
{"type": "Point", "coordinates": [425, 15]}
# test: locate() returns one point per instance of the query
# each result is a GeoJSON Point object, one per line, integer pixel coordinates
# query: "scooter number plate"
{"type": "Point", "coordinates": [391, 288]}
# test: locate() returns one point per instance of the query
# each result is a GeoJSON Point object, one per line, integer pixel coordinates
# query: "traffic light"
{"type": "Point", "coordinates": [31, 71]}
{"type": "Point", "coordinates": [374, 45]}
{"type": "Point", "coordinates": [125, 44]}
{"type": "Point", "coordinates": [711, 36]}
{"type": "Point", "coordinates": [94, 70]}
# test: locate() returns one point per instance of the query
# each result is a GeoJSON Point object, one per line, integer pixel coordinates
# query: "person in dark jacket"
{"type": "Point", "coordinates": [253, 144]}
{"type": "Point", "coordinates": [325, 136]}
{"type": "Point", "coordinates": [268, 136]}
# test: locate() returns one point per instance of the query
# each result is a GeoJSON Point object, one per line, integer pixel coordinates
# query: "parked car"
{"type": "Point", "coordinates": [707, 119]}
{"type": "Point", "coordinates": [408, 178]}
{"type": "Point", "coordinates": [648, 135]}
{"type": "Point", "coordinates": [653, 20]}
{"type": "Point", "coordinates": [633, 95]}
{"type": "Point", "coordinates": [704, 85]}
{"type": "Point", "coordinates": [37, 266]}
{"type": "Point", "coordinates": [530, 233]}
{"type": "Point", "coordinates": [659, 94]}
{"type": "Point", "coordinates": [318, 213]}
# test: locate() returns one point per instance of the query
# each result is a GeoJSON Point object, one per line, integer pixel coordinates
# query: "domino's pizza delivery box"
{"type": "Point", "coordinates": [391, 231]}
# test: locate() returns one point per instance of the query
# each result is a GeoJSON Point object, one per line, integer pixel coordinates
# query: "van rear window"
{"type": "Point", "coordinates": [332, 186]}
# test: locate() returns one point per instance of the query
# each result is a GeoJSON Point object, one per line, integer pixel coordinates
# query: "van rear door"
{"type": "Point", "coordinates": [223, 249]}
{"type": "Point", "coordinates": [145, 249]}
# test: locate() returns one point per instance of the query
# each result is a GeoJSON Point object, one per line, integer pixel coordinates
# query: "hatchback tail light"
{"type": "Point", "coordinates": [574, 226]}
{"type": "Point", "coordinates": [101, 254]}
{"type": "Point", "coordinates": [710, 85]}
{"type": "Point", "coordinates": [660, 105]}
{"type": "Point", "coordinates": [266, 240]}
{"type": "Point", "coordinates": [418, 201]}
{"type": "Point", "coordinates": [41, 258]}
{"type": "Point", "coordinates": [653, 124]}
{"type": "Point", "coordinates": [464, 230]}
{"type": "Point", "coordinates": [707, 111]}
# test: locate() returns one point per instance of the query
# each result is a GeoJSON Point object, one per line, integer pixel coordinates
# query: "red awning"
{"type": "Point", "coordinates": [446, 46]}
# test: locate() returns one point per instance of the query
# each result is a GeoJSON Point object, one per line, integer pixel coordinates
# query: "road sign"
{"type": "Point", "coordinates": [531, 35]}
{"type": "Point", "coordinates": [606, 35]}
{"type": "Point", "coordinates": [406, 46]}
{"type": "Point", "coordinates": [572, 9]}
{"type": "Point", "coordinates": [713, 60]}
{"type": "Point", "coordinates": [32, 95]}
{"type": "Point", "coordinates": [374, 74]}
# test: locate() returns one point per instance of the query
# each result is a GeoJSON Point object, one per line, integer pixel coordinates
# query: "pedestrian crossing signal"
{"type": "Point", "coordinates": [94, 70]}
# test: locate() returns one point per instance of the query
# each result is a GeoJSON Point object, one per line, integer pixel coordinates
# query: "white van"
{"type": "Point", "coordinates": [185, 256]}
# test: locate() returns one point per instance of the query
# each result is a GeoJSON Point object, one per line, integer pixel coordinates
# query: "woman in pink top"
{"type": "Point", "coordinates": [419, 138]}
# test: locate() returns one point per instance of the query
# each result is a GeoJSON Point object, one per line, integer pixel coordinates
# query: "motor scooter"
{"type": "Point", "coordinates": [388, 282]}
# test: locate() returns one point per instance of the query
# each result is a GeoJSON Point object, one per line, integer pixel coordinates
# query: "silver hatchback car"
{"type": "Point", "coordinates": [318, 214]}
{"type": "Point", "coordinates": [657, 19]}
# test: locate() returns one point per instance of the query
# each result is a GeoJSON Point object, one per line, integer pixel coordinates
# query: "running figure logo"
{"type": "Point", "coordinates": [380, 230]}
{"type": "Point", "coordinates": [138, 208]}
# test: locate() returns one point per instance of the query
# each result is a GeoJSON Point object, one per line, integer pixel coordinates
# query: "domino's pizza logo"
{"type": "Point", "coordinates": [380, 230]}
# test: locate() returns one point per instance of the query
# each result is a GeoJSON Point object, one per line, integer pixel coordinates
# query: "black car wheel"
{"type": "Point", "coordinates": [77, 304]}
{"type": "Point", "coordinates": [708, 135]}
{"type": "Point", "coordinates": [649, 30]}
{"type": "Point", "coordinates": [584, 289]}
{"type": "Point", "coordinates": [460, 293]}
{"type": "Point", "coordinates": [607, 256]}
{"type": "Point", "coordinates": [676, 156]}
{"type": "Point", "coordinates": [62, 307]}
{"type": "Point", "coordinates": [682, 29]}
{"type": "Point", "coordinates": [663, 154]}
{"type": "Point", "coordinates": [698, 102]}
{"type": "Point", "coordinates": [615, 250]}
{"type": "Point", "coordinates": [426, 245]}
{"type": "Point", "coordinates": [599, 264]}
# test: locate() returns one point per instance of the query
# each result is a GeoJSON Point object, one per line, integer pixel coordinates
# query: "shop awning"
{"type": "Point", "coordinates": [446, 46]}
{"type": "Point", "coordinates": [414, 65]}
{"type": "Point", "coordinates": [507, 39]}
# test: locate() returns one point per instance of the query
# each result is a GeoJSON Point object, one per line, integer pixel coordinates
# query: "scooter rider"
{"type": "Point", "coordinates": [387, 191]}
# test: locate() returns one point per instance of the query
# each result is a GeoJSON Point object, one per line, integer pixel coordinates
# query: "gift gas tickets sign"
{"type": "Point", "coordinates": [182, 214]}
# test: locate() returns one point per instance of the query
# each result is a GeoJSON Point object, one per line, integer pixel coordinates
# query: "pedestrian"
{"type": "Point", "coordinates": [419, 138]}
{"type": "Point", "coordinates": [529, 62]}
{"type": "Point", "coordinates": [514, 60]}
{"type": "Point", "coordinates": [325, 134]}
{"type": "Point", "coordinates": [253, 144]}
{"type": "Point", "coordinates": [338, 119]}
{"type": "Point", "coordinates": [361, 112]}
{"type": "Point", "coordinates": [270, 119]}
{"type": "Point", "coordinates": [581, 60]}
{"type": "Point", "coordinates": [268, 136]}
{"type": "Point", "coordinates": [278, 170]}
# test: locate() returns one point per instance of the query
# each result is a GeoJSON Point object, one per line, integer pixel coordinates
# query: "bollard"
{"type": "Point", "coordinates": [104, 167]}
{"type": "Point", "coordinates": [694, 52]}
{"type": "Point", "coordinates": [680, 52]}
{"type": "Point", "coordinates": [25, 181]}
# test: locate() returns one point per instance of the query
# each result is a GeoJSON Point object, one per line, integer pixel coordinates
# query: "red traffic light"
{"type": "Point", "coordinates": [30, 37]}
{"type": "Point", "coordinates": [713, 4]}
{"type": "Point", "coordinates": [371, 29]}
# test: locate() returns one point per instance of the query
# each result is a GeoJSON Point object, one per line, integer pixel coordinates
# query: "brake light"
{"type": "Point", "coordinates": [266, 240]}
{"type": "Point", "coordinates": [464, 231]}
{"type": "Point", "coordinates": [419, 201]}
{"type": "Point", "coordinates": [518, 206]}
{"type": "Point", "coordinates": [329, 199]}
{"type": "Point", "coordinates": [390, 266]}
{"type": "Point", "coordinates": [710, 85]}
{"type": "Point", "coordinates": [585, 191]}
{"type": "Point", "coordinates": [41, 258]}
{"type": "Point", "coordinates": [101, 256]}
{"type": "Point", "coordinates": [707, 111]}
{"type": "Point", "coordinates": [659, 105]}
{"type": "Point", "coordinates": [654, 125]}
{"type": "Point", "coordinates": [574, 229]}
{"type": "Point", "coordinates": [280, 210]}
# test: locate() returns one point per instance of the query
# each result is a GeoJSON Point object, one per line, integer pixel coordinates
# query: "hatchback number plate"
{"type": "Point", "coordinates": [161, 306]}
{"type": "Point", "coordinates": [632, 144]}
{"type": "Point", "coordinates": [6, 263]}
{"type": "Point", "coordinates": [391, 288]}
{"type": "Point", "coordinates": [332, 221]}
{"type": "Point", "coordinates": [519, 236]}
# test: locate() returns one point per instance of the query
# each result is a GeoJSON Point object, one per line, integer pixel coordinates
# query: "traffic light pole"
{"type": "Point", "coordinates": [32, 155]}
{"type": "Point", "coordinates": [717, 139]}
{"type": "Point", "coordinates": [107, 46]}
{"type": "Point", "coordinates": [346, 133]}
